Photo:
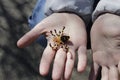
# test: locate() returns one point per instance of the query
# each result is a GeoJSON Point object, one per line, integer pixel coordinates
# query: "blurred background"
{"type": "Point", "coordinates": [16, 63]}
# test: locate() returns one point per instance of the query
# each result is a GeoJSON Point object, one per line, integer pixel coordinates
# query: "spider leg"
{"type": "Point", "coordinates": [50, 45]}
{"type": "Point", "coordinates": [65, 48]}
{"type": "Point", "coordinates": [56, 32]}
{"type": "Point", "coordinates": [52, 33]}
{"type": "Point", "coordinates": [63, 29]}
{"type": "Point", "coordinates": [54, 47]}
{"type": "Point", "coordinates": [59, 32]}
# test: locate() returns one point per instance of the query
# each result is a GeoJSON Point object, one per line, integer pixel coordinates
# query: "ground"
{"type": "Point", "coordinates": [16, 63]}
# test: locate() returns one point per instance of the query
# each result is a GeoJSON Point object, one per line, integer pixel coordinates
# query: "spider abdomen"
{"type": "Point", "coordinates": [64, 39]}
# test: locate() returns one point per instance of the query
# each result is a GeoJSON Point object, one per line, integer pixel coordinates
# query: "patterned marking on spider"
{"type": "Point", "coordinates": [60, 40]}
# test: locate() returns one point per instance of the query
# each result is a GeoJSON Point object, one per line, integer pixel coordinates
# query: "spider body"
{"type": "Point", "coordinates": [64, 38]}
{"type": "Point", "coordinates": [60, 40]}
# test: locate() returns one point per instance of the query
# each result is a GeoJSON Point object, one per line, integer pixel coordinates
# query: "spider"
{"type": "Point", "coordinates": [59, 39]}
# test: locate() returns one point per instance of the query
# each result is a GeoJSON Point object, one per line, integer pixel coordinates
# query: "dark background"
{"type": "Point", "coordinates": [16, 63]}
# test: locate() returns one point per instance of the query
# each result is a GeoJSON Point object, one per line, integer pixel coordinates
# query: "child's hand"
{"type": "Point", "coordinates": [64, 60]}
{"type": "Point", "coordinates": [105, 41]}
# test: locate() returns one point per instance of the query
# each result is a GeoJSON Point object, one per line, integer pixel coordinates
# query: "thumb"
{"type": "Point", "coordinates": [32, 35]}
{"type": "Point", "coordinates": [40, 28]}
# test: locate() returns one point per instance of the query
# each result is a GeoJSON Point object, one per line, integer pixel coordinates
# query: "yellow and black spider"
{"type": "Point", "coordinates": [59, 39]}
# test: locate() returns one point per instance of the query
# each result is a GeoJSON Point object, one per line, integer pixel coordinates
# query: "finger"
{"type": "Point", "coordinates": [82, 59]}
{"type": "Point", "coordinates": [69, 64]}
{"type": "Point", "coordinates": [104, 73]}
{"type": "Point", "coordinates": [113, 73]}
{"type": "Point", "coordinates": [46, 60]}
{"type": "Point", "coordinates": [94, 71]}
{"type": "Point", "coordinates": [59, 64]}
{"type": "Point", "coordinates": [119, 67]}
{"type": "Point", "coordinates": [31, 35]}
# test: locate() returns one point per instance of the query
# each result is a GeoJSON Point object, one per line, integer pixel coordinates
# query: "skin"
{"type": "Point", "coordinates": [105, 41]}
{"type": "Point", "coordinates": [63, 62]}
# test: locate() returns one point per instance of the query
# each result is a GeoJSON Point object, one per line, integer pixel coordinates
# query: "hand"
{"type": "Point", "coordinates": [105, 41]}
{"type": "Point", "coordinates": [64, 61]}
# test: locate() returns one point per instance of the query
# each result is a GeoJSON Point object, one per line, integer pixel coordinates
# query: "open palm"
{"type": "Point", "coordinates": [63, 61]}
{"type": "Point", "coordinates": [105, 41]}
